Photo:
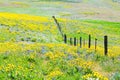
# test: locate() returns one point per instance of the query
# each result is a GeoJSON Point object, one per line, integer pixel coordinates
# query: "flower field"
{"type": "Point", "coordinates": [32, 48]}
{"type": "Point", "coordinates": [44, 61]}
{"type": "Point", "coordinates": [24, 56]}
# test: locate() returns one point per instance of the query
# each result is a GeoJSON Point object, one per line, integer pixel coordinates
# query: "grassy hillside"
{"type": "Point", "coordinates": [31, 47]}
{"type": "Point", "coordinates": [85, 9]}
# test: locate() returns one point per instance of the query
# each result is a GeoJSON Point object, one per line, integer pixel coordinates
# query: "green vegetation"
{"type": "Point", "coordinates": [31, 47]}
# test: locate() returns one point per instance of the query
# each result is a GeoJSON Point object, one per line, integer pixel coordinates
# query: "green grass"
{"type": "Point", "coordinates": [97, 28]}
{"type": "Point", "coordinates": [35, 65]}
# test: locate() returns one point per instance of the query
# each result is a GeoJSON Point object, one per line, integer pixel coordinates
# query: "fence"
{"type": "Point", "coordinates": [74, 41]}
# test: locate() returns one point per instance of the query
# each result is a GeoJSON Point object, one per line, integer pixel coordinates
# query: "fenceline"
{"type": "Point", "coordinates": [82, 42]}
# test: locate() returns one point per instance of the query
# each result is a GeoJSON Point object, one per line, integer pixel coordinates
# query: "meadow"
{"type": "Point", "coordinates": [31, 47]}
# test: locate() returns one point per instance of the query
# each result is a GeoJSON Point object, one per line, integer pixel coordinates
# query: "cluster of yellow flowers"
{"type": "Point", "coordinates": [16, 68]}
{"type": "Point", "coordinates": [80, 62]}
{"type": "Point", "coordinates": [72, 50]}
{"type": "Point", "coordinates": [52, 55]}
{"type": "Point", "coordinates": [28, 22]}
{"type": "Point", "coordinates": [53, 74]}
{"type": "Point", "coordinates": [94, 75]}
{"type": "Point", "coordinates": [87, 65]}
{"type": "Point", "coordinates": [9, 46]}
{"type": "Point", "coordinates": [25, 17]}
{"type": "Point", "coordinates": [112, 51]}
{"type": "Point", "coordinates": [23, 46]}
{"type": "Point", "coordinates": [9, 67]}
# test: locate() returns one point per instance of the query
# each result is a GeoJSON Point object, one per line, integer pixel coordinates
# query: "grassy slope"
{"type": "Point", "coordinates": [104, 10]}
{"type": "Point", "coordinates": [97, 28]}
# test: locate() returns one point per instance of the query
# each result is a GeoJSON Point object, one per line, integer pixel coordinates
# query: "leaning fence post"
{"type": "Point", "coordinates": [58, 25]}
{"type": "Point", "coordinates": [105, 45]}
{"type": "Point", "coordinates": [95, 44]}
{"type": "Point", "coordinates": [70, 41]}
{"type": "Point", "coordinates": [89, 41]}
{"type": "Point", "coordinates": [74, 41]}
{"type": "Point", "coordinates": [65, 38]}
{"type": "Point", "coordinates": [80, 42]}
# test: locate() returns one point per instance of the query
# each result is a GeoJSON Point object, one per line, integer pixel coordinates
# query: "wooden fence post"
{"type": "Point", "coordinates": [74, 41]}
{"type": "Point", "coordinates": [70, 41]}
{"type": "Point", "coordinates": [58, 25]}
{"type": "Point", "coordinates": [80, 42]}
{"type": "Point", "coordinates": [89, 41]}
{"type": "Point", "coordinates": [105, 45]}
{"type": "Point", "coordinates": [65, 38]}
{"type": "Point", "coordinates": [95, 44]}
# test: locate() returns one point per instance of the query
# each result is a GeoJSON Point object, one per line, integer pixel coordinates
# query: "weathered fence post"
{"type": "Point", "coordinates": [105, 45]}
{"type": "Point", "coordinates": [65, 38]}
{"type": "Point", "coordinates": [58, 25]}
{"type": "Point", "coordinates": [95, 44]}
{"type": "Point", "coordinates": [80, 42]}
{"type": "Point", "coordinates": [70, 41]}
{"type": "Point", "coordinates": [89, 41]}
{"type": "Point", "coordinates": [74, 41]}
